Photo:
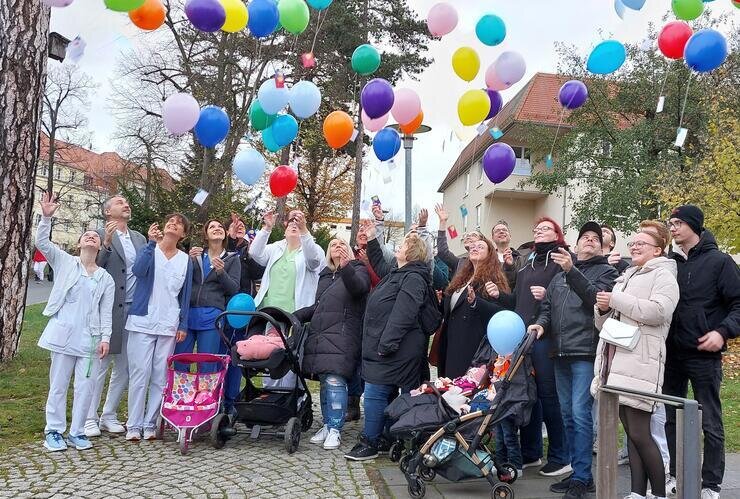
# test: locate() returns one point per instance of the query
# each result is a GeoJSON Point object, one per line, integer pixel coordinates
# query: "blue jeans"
{"type": "Point", "coordinates": [208, 341]}
{"type": "Point", "coordinates": [573, 380]}
{"type": "Point", "coordinates": [233, 382]}
{"type": "Point", "coordinates": [507, 444]}
{"type": "Point", "coordinates": [546, 409]}
{"type": "Point", "coordinates": [333, 395]}
{"type": "Point", "coordinates": [375, 401]}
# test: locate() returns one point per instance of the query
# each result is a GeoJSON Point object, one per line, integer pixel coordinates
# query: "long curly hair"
{"type": "Point", "coordinates": [488, 270]}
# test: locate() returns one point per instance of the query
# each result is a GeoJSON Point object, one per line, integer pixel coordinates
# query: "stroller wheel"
{"type": "Point", "coordinates": [307, 419]}
{"type": "Point", "coordinates": [219, 423]}
{"type": "Point", "coordinates": [396, 451]}
{"type": "Point", "coordinates": [403, 463]}
{"type": "Point", "coordinates": [502, 491]}
{"type": "Point", "coordinates": [292, 435]}
{"type": "Point", "coordinates": [184, 445]}
{"type": "Point", "coordinates": [417, 488]}
{"type": "Point", "coordinates": [427, 474]}
{"type": "Point", "coordinates": [159, 428]}
{"type": "Point", "coordinates": [507, 473]}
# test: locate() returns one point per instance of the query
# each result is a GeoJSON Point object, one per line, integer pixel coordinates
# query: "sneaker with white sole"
{"type": "Point", "coordinates": [79, 442]}
{"type": "Point", "coordinates": [53, 442]}
{"type": "Point", "coordinates": [532, 464]}
{"type": "Point", "coordinates": [554, 469]}
{"type": "Point", "coordinates": [320, 436]}
{"type": "Point", "coordinates": [133, 435]}
{"type": "Point", "coordinates": [333, 440]}
{"type": "Point", "coordinates": [112, 426]}
{"type": "Point", "coordinates": [709, 494]}
{"type": "Point", "coordinates": [670, 486]}
{"type": "Point", "coordinates": [150, 434]}
{"type": "Point", "coordinates": [91, 428]}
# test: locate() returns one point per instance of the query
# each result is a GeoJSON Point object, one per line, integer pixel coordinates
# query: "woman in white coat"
{"type": "Point", "coordinates": [80, 308]}
{"type": "Point", "coordinates": [644, 296]}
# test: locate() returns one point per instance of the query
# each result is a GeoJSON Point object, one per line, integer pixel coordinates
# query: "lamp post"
{"type": "Point", "coordinates": [408, 146]}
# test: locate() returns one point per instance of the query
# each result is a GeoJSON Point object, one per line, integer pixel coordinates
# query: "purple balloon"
{"type": "Point", "coordinates": [496, 102]}
{"type": "Point", "coordinates": [498, 162]}
{"type": "Point", "coordinates": [377, 98]}
{"type": "Point", "coordinates": [206, 15]}
{"type": "Point", "coordinates": [573, 94]}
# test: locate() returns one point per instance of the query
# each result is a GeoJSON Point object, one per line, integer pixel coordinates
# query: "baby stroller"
{"type": "Point", "coordinates": [439, 441]}
{"type": "Point", "coordinates": [192, 401]}
{"type": "Point", "coordinates": [279, 411]}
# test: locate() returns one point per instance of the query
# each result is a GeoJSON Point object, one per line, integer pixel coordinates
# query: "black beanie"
{"type": "Point", "coordinates": [692, 215]}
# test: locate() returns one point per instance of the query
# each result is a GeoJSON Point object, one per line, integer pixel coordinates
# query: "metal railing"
{"type": "Point", "coordinates": [688, 444]}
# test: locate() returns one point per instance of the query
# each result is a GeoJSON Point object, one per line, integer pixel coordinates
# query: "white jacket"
{"type": "Point", "coordinates": [308, 263]}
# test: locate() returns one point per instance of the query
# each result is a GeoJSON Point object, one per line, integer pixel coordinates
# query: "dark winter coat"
{"type": "Point", "coordinates": [709, 281]}
{"type": "Point", "coordinates": [334, 339]}
{"type": "Point", "coordinates": [214, 290]}
{"type": "Point", "coordinates": [537, 271]}
{"type": "Point", "coordinates": [251, 271]}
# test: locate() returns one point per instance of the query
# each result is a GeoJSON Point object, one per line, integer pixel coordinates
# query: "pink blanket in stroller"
{"type": "Point", "coordinates": [259, 347]}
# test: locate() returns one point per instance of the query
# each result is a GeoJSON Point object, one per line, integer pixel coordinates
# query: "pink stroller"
{"type": "Point", "coordinates": [191, 402]}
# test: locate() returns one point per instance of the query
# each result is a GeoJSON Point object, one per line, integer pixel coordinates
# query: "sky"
{"type": "Point", "coordinates": [533, 28]}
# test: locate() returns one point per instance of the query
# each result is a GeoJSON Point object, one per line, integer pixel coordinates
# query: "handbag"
{"type": "Point", "coordinates": [618, 333]}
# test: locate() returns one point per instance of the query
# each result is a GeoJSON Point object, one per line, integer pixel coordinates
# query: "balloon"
{"type": "Point", "coordinates": [606, 57]}
{"type": "Point", "coordinates": [441, 19]}
{"type": "Point", "coordinates": [272, 99]}
{"type": "Point", "coordinates": [505, 332]}
{"type": "Point", "coordinates": [149, 16]}
{"type": "Point", "coordinates": [736, 3]}
{"type": "Point", "coordinates": [365, 60]}
{"type": "Point", "coordinates": [284, 129]}
{"type": "Point", "coordinates": [304, 99]}
{"type": "Point", "coordinates": [268, 139]}
{"type": "Point", "coordinates": [373, 125]}
{"type": "Point", "coordinates": [263, 17]}
{"type": "Point", "coordinates": [320, 4]}
{"type": "Point", "coordinates": [473, 107]}
{"type": "Point", "coordinates": [57, 3]}
{"type": "Point", "coordinates": [412, 126]}
{"type": "Point", "coordinates": [180, 113]}
{"type": "Point", "coordinates": [237, 15]}
{"type": "Point", "coordinates": [205, 15]}
{"type": "Point", "coordinates": [498, 162]}
{"type": "Point", "coordinates": [406, 105]}
{"type": "Point", "coordinates": [283, 180]}
{"type": "Point", "coordinates": [573, 94]}
{"type": "Point", "coordinates": [258, 117]}
{"type": "Point", "coordinates": [466, 63]}
{"type": "Point", "coordinates": [386, 144]}
{"type": "Point", "coordinates": [212, 127]}
{"type": "Point", "coordinates": [490, 30]}
{"type": "Point", "coordinates": [497, 103]}
{"type": "Point", "coordinates": [492, 80]}
{"type": "Point", "coordinates": [634, 4]}
{"type": "Point", "coordinates": [241, 302]}
{"type": "Point", "coordinates": [377, 98]}
{"type": "Point", "coordinates": [687, 9]}
{"type": "Point", "coordinates": [248, 166]}
{"type": "Point", "coordinates": [117, 5]}
{"type": "Point", "coordinates": [509, 67]}
{"type": "Point", "coordinates": [294, 15]}
{"type": "Point", "coordinates": [706, 50]}
{"type": "Point", "coordinates": [338, 129]}
{"type": "Point", "coordinates": [672, 39]}
{"type": "Point", "coordinates": [619, 8]}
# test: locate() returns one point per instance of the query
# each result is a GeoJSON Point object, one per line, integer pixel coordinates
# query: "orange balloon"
{"type": "Point", "coordinates": [410, 128]}
{"type": "Point", "coordinates": [149, 16]}
{"type": "Point", "coordinates": [338, 129]}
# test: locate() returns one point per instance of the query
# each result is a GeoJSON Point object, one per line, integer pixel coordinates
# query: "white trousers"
{"type": "Point", "coordinates": [657, 430]}
{"type": "Point", "coordinates": [147, 368]}
{"type": "Point", "coordinates": [38, 269]}
{"type": "Point", "coordinates": [63, 366]}
{"type": "Point", "coordinates": [118, 383]}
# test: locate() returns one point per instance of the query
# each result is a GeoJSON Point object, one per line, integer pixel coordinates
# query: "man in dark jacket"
{"type": "Point", "coordinates": [707, 315]}
{"type": "Point", "coordinates": [567, 316]}
{"type": "Point", "coordinates": [510, 259]}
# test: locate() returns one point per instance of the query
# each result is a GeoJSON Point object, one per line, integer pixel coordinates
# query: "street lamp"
{"type": "Point", "coordinates": [408, 145]}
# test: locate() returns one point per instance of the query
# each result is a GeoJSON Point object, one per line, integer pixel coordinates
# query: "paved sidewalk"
{"type": "Point", "coordinates": [38, 292]}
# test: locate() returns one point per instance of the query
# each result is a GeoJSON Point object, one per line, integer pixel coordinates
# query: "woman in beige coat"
{"type": "Point", "coordinates": [644, 296]}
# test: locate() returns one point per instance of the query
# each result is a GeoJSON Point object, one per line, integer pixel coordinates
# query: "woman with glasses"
{"type": "Point", "coordinates": [645, 296]}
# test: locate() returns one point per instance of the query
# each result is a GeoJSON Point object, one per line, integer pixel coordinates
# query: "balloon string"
{"type": "Point", "coordinates": [557, 130]}
{"type": "Point", "coordinates": [319, 22]}
{"type": "Point", "coordinates": [665, 79]}
{"type": "Point", "coordinates": [685, 99]}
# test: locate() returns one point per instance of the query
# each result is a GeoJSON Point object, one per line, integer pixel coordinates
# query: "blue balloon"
{"type": "Point", "coordinates": [705, 51]}
{"type": "Point", "coordinates": [386, 144]}
{"type": "Point", "coordinates": [241, 302]}
{"type": "Point", "coordinates": [212, 127]}
{"type": "Point", "coordinates": [284, 129]}
{"type": "Point", "coordinates": [268, 139]}
{"type": "Point", "coordinates": [619, 8]}
{"type": "Point", "coordinates": [319, 4]}
{"type": "Point", "coordinates": [606, 57]}
{"type": "Point", "coordinates": [263, 17]}
{"type": "Point", "coordinates": [490, 30]}
{"type": "Point", "coordinates": [505, 331]}
{"type": "Point", "coordinates": [304, 99]}
{"type": "Point", "coordinates": [634, 4]}
{"type": "Point", "coordinates": [248, 166]}
{"type": "Point", "coordinates": [271, 97]}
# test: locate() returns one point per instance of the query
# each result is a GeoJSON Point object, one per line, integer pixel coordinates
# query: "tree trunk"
{"type": "Point", "coordinates": [24, 33]}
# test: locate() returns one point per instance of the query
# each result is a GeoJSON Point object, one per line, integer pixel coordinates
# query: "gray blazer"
{"type": "Point", "coordinates": [113, 260]}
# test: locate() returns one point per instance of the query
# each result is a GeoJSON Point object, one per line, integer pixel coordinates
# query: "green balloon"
{"type": "Point", "coordinates": [365, 60]}
{"type": "Point", "coordinates": [687, 9]}
{"type": "Point", "coordinates": [258, 117]}
{"type": "Point", "coordinates": [293, 15]}
{"type": "Point", "coordinates": [123, 5]}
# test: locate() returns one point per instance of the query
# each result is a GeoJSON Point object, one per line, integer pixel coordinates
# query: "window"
{"type": "Point", "coordinates": [71, 176]}
{"type": "Point", "coordinates": [522, 165]}
{"type": "Point", "coordinates": [58, 173]}
{"type": "Point", "coordinates": [43, 170]}
{"type": "Point", "coordinates": [480, 173]}
{"type": "Point", "coordinates": [87, 181]}
{"type": "Point", "coordinates": [477, 216]}
{"type": "Point", "coordinates": [467, 183]}
{"type": "Point", "coordinates": [465, 223]}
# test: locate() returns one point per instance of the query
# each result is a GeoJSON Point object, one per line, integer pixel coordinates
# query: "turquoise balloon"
{"type": "Point", "coordinates": [241, 302]}
{"type": "Point", "coordinates": [606, 57]}
{"type": "Point", "coordinates": [268, 139]}
{"type": "Point", "coordinates": [490, 30]}
{"type": "Point", "coordinates": [319, 4]}
{"type": "Point", "coordinates": [284, 130]}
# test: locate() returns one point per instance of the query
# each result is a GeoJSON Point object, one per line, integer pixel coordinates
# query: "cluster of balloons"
{"type": "Point", "coordinates": [702, 51]}
{"type": "Point", "coordinates": [182, 113]}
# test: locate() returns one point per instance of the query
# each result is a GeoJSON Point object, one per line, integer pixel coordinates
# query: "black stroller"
{"type": "Point", "coordinates": [436, 440]}
{"type": "Point", "coordinates": [276, 411]}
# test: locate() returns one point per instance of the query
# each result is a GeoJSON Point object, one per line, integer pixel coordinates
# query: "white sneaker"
{"type": "Point", "coordinates": [150, 434]}
{"type": "Point", "coordinates": [634, 495]}
{"type": "Point", "coordinates": [112, 426]}
{"type": "Point", "coordinates": [670, 486]}
{"type": "Point", "coordinates": [133, 435]}
{"type": "Point", "coordinates": [532, 464]}
{"type": "Point", "coordinates": [91, 428]}
{"type": "Point", "coordinates": [333, 439]}
{"type": "Point", "coordinates": [709, 494]}
{"type": "Point", "coordinates": [320, 435]}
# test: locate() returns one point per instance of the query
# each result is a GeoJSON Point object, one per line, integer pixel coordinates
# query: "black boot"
{"type": "Point", "coordinates": [353, 409]}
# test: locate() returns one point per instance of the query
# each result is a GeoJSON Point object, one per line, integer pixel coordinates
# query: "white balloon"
{"type": "Point", "coordinates": [271, 97]}
{"type": "Point", "coordinates": [304, 99]}
{"type": "Point", "coordinates": [180, 113]}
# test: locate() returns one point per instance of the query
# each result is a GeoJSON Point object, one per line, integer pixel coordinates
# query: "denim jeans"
{"type": "Point", "coordinates": [507, 444]}
{"type": "Point", "coordinates": [208, 341]}
{"type": "Point", "coordinates": [233, 382]}
{"type": "Point", "coordinates": [573, 379]}
{"type": "Point", "coordinates": [333, 395]}
{"type": "Point", "coordinates": [375, 401]}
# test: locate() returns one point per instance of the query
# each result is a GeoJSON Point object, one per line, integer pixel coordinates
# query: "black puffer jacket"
{"type": "Point", "coordinates": [334, 337]}
{"type": "Point", "coordinates": [536, 271]}
{"type": "Point", "coordinates": [567, 312]}
{"type": "Point", "coordinates": [709, 281]}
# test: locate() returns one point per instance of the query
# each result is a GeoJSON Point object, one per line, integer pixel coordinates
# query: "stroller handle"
{"type": "Point", "coordinates": [190, 358]}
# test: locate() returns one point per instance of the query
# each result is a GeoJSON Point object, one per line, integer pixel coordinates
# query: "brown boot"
{"type": "Point", "coordinates": [353, 409]}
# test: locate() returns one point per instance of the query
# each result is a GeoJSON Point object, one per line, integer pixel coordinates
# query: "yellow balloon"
{"type": "Point", "coordinates": [473, 107]}
{"type": "Point", "coordinates": [237, 15]}
{"type": "Point", "coordinates": [466, 63]}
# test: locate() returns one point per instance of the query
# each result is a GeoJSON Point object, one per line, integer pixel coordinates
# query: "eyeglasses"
{"type": "Point", "coordinates": [640, 244]}
{"type": "Point", "coordinates": [674, 225]}
{"type": "Point", "coordinates": [502, 230]}
{"type": "Point", "coordinates": [544, 228]}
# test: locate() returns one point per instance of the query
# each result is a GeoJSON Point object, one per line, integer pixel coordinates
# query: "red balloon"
{"type": "Point", "coordinates": [283, 180]}
{"type": "Point", "coordinates": [673, 38]}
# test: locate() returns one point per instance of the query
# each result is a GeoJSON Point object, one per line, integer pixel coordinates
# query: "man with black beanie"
{"type": "Point", "coordinates": [707, 315]}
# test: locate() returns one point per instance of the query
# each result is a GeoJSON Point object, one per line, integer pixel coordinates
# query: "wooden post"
{"type": "Point", "coordinates": [606, 459]}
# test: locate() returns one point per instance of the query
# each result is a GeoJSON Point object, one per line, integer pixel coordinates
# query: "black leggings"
{"type": "Point", "coordinates": [645, 459]}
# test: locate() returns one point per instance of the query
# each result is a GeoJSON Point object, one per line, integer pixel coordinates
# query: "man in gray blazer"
{"type": "Point", "coordinates": [117, 256]}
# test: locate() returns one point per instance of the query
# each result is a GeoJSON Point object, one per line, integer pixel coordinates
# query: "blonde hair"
{"type": "Point", "coordinates": [329, 262]}
{"type": "Point", "coordinates": [658, 231]}
{"type": "Point", "coordinates": [416, 249]}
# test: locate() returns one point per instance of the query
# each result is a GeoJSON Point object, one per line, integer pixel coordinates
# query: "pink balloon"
{"type": "Point", "coordinates": [442, 19]}
{"type": "Point", "coordinates": [510, 67]}
{"type": "Point", "coordinates": [57, 3]}
{"type": "Point", "coordinates": [492, 81]}
{"type": "Point", "coordinates": [373, 125]}
{"type": "Point", "coordinates": [180, 113]}
{"type": "Point", "coordinates": [406, 105]}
